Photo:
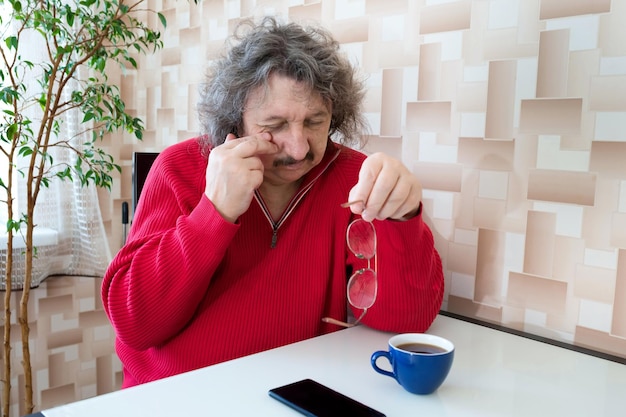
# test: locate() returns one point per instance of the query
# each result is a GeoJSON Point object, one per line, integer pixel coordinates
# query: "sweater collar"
{"type": "Point", "coordinates": [330, 155]}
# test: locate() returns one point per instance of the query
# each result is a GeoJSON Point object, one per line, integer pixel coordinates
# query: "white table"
{"type": "Point", "coordinates": [494, 374]}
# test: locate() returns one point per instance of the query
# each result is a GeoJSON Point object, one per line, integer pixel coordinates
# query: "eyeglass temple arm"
{"type": "Point", "coordinates": [349, 203]}
{"type": "Point", "coordinates": [343, 323]}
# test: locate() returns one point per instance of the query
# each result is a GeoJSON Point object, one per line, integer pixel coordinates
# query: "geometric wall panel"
{"type": "Point", "coordinates": [553, 9]}
{"type": "Point", "coordinates": [562, 186]}
{"type": "Point", "coordinates": [513, 118]}
{"type": "Point", "coordinates": [551, 116]}
{"type": "Point", "coordinates": [537, 293]}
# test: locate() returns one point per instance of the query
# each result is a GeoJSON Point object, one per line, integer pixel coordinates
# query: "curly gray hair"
{"type": "Point", "coordinates": [306, 54]}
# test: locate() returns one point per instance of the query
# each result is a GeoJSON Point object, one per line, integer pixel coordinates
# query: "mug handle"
{"type": "Point", "coordinates": [384, 354]}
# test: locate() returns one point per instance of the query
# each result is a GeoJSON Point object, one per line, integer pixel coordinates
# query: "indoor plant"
{"type": "Point", "coordinates": [80, 38]}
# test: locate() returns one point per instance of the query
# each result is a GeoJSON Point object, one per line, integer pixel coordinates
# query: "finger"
{"type": "Point", "coordinates": [378, 178]}
{"type": "Point", "coordinates": [349, 203]}
{"type": "Point", "coordinates": [255, 147]}
{"type": "Point", "coordinates": [233, 141]}
{"type": "Point", "coordinates": [247, 146]}
{"type": "Point", "coordinates": [401, 200]}
{"type": "Point", "coordinates": [362, 190]}
{"type": "Point", "coordinates": [382, 200]}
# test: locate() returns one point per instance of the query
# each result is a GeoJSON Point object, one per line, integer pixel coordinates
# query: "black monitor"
{"type": "Point", "coordinates": [142, 161]}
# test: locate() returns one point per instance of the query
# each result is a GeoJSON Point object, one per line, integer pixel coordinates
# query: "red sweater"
{"type": "Point", "coordinates": [190, 289]}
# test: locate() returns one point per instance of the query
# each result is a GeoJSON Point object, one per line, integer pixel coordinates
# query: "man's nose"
{"type": "Point", "coordinates": [297, 144]}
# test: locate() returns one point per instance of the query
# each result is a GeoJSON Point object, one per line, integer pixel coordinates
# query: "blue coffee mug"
{"type": "Point", "coordinates": [419, 362]}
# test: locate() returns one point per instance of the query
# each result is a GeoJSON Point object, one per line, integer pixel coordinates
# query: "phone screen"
{"type": "Point", "coordinates": [316, 400]}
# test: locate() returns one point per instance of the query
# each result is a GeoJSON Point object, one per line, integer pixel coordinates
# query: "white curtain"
{"type": "Point", "coordinates": [69, 237]}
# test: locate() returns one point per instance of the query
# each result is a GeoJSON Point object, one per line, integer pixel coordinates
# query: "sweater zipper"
{"type": "Point", "coordinates": [291, 206]}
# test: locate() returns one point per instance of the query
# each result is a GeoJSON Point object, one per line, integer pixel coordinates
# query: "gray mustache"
{"type": "Point", "coordinates": [288, 160]}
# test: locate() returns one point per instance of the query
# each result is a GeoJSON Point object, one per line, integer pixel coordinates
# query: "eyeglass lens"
{"type": "Point", "coordinates": [361, 238]}
{"type": "Point", "coordinates": [363, 285]}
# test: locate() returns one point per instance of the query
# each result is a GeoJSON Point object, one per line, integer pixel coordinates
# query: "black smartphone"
{"type": "Point", "coordinates": [316, 400]}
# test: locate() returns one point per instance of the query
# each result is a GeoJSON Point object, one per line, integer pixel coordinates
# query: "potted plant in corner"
{"type": "Point", "coordinates": [78, 40]}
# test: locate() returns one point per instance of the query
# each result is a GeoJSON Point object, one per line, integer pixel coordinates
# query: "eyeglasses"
{"type": "Point", "coordinates": [363, 284]}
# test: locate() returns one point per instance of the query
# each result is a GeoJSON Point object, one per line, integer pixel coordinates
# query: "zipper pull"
{"type": "Point", "coordinates": [274, 238]}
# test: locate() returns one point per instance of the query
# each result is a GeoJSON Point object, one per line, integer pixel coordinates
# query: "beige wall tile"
{"type": "Point", "coordinates": [611, 28]}
{"type": "Point", "coordinates": [618, 327]}
{"type": "Point", "coordinates": [536, 293]}
{"type": "Point", "coordinates": [437, 71]}
{"type": "Point", "coordinates": [485, 154]}
{"type": "Point", "coordinates": [569, 252]}
{"type": "Point", "coordinates": [429, 72]}
{"type": "Point", "coordinates": [594, 283]}
{"type": "Point", "coordinates": [432, 116]}
{"type": "Point", "coordinates": [443, 177]}
{"type": "Point", "coordinates": [306, 12]}
{"type": "Point", "coordinates": [608, 93]}
{"type": "Point", "coordinates": [351, 30]}
{"type": "Point", "coordinates": [618, 230]}
{"type": "Point", "coordinates": [462, 258]}
{"type": "Point", "coordinates": [446, 17]}
{"type": "Point", "coordinates": [553, 63]}
{"type": "Point", "coordinates": [551, 9]}
{"type": "Point", "coordinates": [69, 335]}
{"type": "Point", "coordinates": [391, 103]}
{"type": "Point", "coordinates": [599, 341]}
{"type": "Point", "coordinates": [562, 186]}
{"type": "Point", "coordinates": [607, 159]}
{"type": "Point", "coordinates": [58, 395]}
{"type": "Point", "coordinates": [540, 243]}
{"type": "Point", "coordinates": [500, 100]}
{"type": "Point", "coordinates": [469, 308]}
{"type": "Point", "coordinates": [490, 266]}
{"type": "Point", "coordinates": [551, 116]}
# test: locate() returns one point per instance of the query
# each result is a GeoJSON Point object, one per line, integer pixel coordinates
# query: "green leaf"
{"type": "Point", "coordinates": [87, 117]}
{"type": "Point", "coordinates": [65, 174]}
{"type": "Point", "coordinates": [13, 225]}
{"type": "Point", "coordinates": [69, 16]}
{"type": "Point", "coordinates": [162, 19]}
{"type": "Point", "coordinates": [11, 42]}
{"type": "Point", "coordinates": [25, 151]}
{"type": "Point", "coordinates": [12, 131]}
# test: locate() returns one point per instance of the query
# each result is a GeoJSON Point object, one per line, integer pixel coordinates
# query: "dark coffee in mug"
{"type": "Point", "coordinates": [421, 372]}
{"type": "Point", "coordinates": [423, 348]}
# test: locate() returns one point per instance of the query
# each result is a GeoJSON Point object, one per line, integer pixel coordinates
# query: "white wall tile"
{"type": "Point", "coordinates": [583, 30]}
{"type": "Point", "coordinates": [610, 126]}
{"type": "Point", "coordinates": [595, 315]}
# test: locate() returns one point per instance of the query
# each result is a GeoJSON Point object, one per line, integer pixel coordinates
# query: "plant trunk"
{"type": "Point", "coordinates": [8, 287]}
{"type": "Point", "coordinates": [23, 317]}
{"type": "Point", "coordinates": [6, 381]}
{"type": "Point", "coordinates": [28, 375]}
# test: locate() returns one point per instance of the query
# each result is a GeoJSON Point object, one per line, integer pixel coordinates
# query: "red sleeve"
{"type": "Point", "coordinates": [156, 281]}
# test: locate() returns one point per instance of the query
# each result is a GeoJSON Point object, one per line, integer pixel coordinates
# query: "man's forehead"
{"type": "Point", "coordinates": [279, 87]}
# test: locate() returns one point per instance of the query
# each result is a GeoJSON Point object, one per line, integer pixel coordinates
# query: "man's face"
{"type": "Point", "coordinates": [299, 121]}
